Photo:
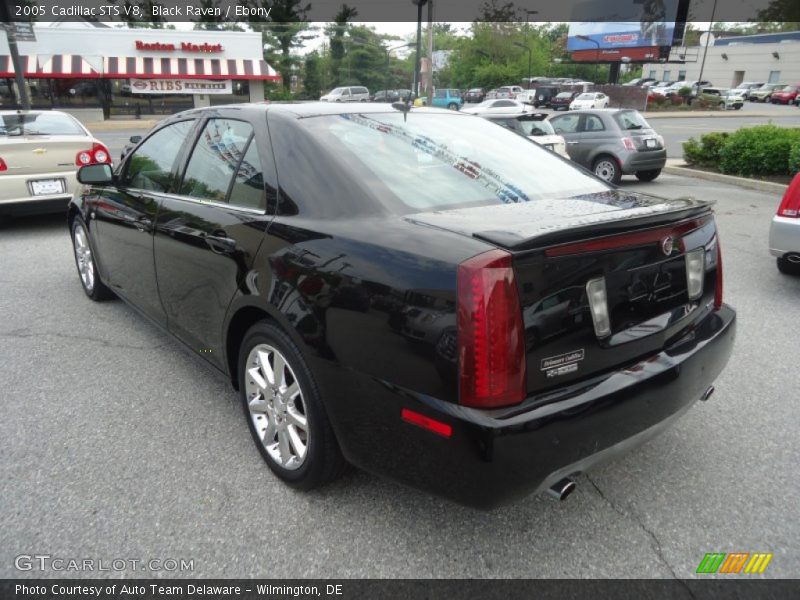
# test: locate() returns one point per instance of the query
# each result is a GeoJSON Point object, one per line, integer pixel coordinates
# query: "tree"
{"type": "Point", "coordinates": [311, 76]}
{"type": "Point", "coordinates": [491, 11]}
{"type": "Point", "coordinates": [336, 33]}
{"type": "Point", "coordinates": [281, 33]}
{"type": "Point", "coordinates": [209, 21]}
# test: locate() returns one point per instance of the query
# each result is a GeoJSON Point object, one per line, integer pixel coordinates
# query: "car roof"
{"type": "Point", "coordinates": [32, 112]}
{"type": "Point", "coordinates": [310, 109]}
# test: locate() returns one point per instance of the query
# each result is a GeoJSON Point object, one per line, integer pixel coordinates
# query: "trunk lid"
{"type": "Point", "coordinates": [558, 246]}
{"type": "Point", "coordinates": [41, 154]}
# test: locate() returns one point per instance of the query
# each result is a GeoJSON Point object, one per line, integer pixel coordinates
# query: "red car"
{"type": "Point", "coordinates": [785, 96]}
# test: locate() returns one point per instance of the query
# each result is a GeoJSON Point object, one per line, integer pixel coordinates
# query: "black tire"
{"type": "Point", "coordinates": [788, 268]}
{"type": "Point", "coordinates": [648, 175]}
{"type": "Point", "coordinates": [94, 288]}
{"type": "Point", "coordinates": [452, 106]}
{"type": "Point", "coordinates": [613, 175]}
{"type": "Point", "coordinates": [323, 461]}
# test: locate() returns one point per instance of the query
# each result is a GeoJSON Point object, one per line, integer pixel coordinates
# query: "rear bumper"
{"type": "Point", "coordinates": [494, 457]}
{"type": "Point", "coordinates": [644, 161]}
{"type": "Point", "coordinates": [784, 236]}
{"type": "Point", "coordinates": [16, 197]}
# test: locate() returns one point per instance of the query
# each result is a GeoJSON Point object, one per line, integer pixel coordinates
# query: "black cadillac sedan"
{"type": "Point", "coordinates": [416, 292]}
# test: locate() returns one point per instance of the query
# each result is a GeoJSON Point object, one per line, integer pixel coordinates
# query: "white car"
{"type": "Point", "coordinates": [590, 100]}
{"type": "Point", "coordinates": [355, 93]}
{"type": "Point", "coordinates": [497, 106]}
{"type": "Point", "coordinates": [784, 234]}
{"type": "Point", "coordinates": [535, 127]}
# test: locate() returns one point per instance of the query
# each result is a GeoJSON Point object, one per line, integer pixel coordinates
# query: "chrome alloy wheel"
{"type": "Point", "coordinates": [276, 406]}
{"type": "Point", "coordinates": [83, 255]}
{"type": "Point", "coordinates": [605, 169]}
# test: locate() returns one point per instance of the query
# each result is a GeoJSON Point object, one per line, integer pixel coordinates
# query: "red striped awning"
{"type": "Point", "coordinates": [7, 65]}
{"type": "Point", "coordinates": [72, 66]}
{"type": "Point", "coordinates": [187, 68]}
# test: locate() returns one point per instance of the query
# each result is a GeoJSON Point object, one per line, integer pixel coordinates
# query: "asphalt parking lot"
{"type": "Point", "coordinates": [118, 444]}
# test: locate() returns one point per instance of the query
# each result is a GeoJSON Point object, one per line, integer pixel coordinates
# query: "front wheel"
{"type": "Point", "coordinates": [452, 106]}
{"type": "Point", "coordinates": [607, 168]}
{"type": "Point", "coordinates": [84, 260]}
{"type": "Point", "coordinates": [284, 410]}
{"type": "Point", "coordinates": [648, 175]}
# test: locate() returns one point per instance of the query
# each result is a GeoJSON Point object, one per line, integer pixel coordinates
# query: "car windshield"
{"type": "Point", "coordinates": [39, 124]}
{"type": "Point", "coordinates": [537, 128]}
{"type": "Point", "coordinates": [337, 91]}
{"type": "Point", "coordinates": [421, 162]}
{"type": "Point", "coordinates": [564, 95]}
{"type": "Point", "coordinates": [475, 90]}
{"type": "Point", "coordinates": [586, 97]}
{"type": "Point", "coordinates": [788, 88]}
{"type": "Point", "coordinates": [631, 119]}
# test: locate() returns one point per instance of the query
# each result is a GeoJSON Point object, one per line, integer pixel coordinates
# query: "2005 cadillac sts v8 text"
{"type": "Point", "coordinates": [417, 292]}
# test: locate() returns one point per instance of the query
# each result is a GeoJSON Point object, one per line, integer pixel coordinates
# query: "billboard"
{"type": "Point", "coordinates": [619, 24]}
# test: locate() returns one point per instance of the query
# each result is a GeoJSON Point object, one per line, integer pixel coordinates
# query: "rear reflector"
{"type": "Point", "coordinates": [718, 286]}
{"type": "Point", "coordinates": [629, 143]}
{"type": "Point", "coordinates": [790, 205]}
{"type": "Point", "coordinates": [437, 427]}
{"type": "Point", "coordinates": [96, 156]}
{"type": "Point", "coordinates": [598, 303]}
{"type": "Point", "coordinates": [695, 272]}
{"type": "Point", "coordinates": [3, 165]}
{"type": "Point", "coordinates": [491, 336]}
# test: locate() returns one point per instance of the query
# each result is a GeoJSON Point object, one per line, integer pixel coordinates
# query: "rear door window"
{"type": "Point", "coordinates": [215, 158]}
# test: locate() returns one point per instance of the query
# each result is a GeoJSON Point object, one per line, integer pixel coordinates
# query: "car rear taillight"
{"type": "Point", "coordinates": [718, 286]}
{"type": "Point", "coordinates": [3, 165]}
{"type": "Point", "coordinates": [491, 337]}
{"type": "Point", "coordinates": [97, 155]}
{"type": "Point", "coordinates": [628, 143]}
{"type": "Point", "coordinates": [790, 205]}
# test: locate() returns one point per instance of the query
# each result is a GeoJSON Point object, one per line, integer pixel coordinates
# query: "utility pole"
{"type": "Point", "coordinates": [419, 4]}
{"type": "Point", "coordinates": [19, 69]}
{"type": "Point", "coordinates": [708, 39]}
{"type": "Point", "coordinates": [428, 86]}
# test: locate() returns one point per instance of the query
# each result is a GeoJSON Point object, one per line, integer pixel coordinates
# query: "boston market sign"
{"type": "Point", "coordinates": [204, 48]}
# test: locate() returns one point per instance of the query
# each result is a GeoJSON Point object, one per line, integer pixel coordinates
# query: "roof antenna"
{"type": "Point", "coordinates": [403, 107]}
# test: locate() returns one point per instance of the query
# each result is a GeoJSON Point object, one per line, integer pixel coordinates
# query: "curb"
{"type": "Point", "coordinates": [116, 125]}
{"type": "Point", "coordinates": [743, 182]}
{"type": "Point", "coordinates": [728, 114]}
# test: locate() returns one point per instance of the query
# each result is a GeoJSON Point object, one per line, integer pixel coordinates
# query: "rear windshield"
{"type": "Point", "coordinates": [39, 124]}
{"type": "Point", "coordinates": [537, 128]}
{"type": "Point", "coordinates": [631, 119]}
{"type": "Point", "coordinates": [428, 162]}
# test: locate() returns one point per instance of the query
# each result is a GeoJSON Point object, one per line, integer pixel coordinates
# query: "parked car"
{"type": "Point", "coordinates": [498, 106]}
{"type": "Point", "coordinates": [746, 87]}
{"type": "Point", "coordinates": [659, 87]}
{"type": "Point", "coordinates": [786, 95]}
{"type": "Point", "coordinates": [447, 98]}
{"type": "Point", "coordinates": [490, 95]}
{"type": "Point", "coordinates": [727, 99]}
{"type": "Point", "coordinates": [784, 233]}
{"type": "Point", "coordinates": [612, 143]}
{"type": "Point", "coordinates": [535, 127]}
{"type": "Point", "coordinates": [509, 91]}
{"type": "Point", "coordinates": [544, 94]}
{"type": "Point", "coordinates": [639, 81]}
{"type": "Point", "coordinates": [562, 100]}
{"type": "Point", "coordinates": [590, 100]}
{"type": "Point", "coordinates": [475, 95]}
{"type": "Point", "coordinates": [385, 96]}
{"type": "Point", "coordinates": [347, 94]}
{"type": "Point", "coordinates": [283, 290]}
{"type": "Point", "coordinates": [40, 151]}
{"type": "Point", "coordinates": [764, 93]}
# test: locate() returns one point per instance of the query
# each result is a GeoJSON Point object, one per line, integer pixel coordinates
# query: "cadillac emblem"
{"type": "Point", "coordinates": [667, 244]}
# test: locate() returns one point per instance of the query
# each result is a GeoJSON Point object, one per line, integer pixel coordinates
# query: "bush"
{"type": "Point", "coordinates": [706, 152]}
{"type": "Point", "coordinates": [794, 159]}
{"type": "Point", "coordinates": [761, 150]}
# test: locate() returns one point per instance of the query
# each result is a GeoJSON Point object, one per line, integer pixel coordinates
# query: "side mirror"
{"type": "Point", "coordinates": [135, 139]}
{"type": "Point", "coordinates": [95, 174]}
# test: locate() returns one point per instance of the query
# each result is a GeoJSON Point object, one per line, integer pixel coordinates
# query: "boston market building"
{"type": "Point", "coordinates": [97, 72]}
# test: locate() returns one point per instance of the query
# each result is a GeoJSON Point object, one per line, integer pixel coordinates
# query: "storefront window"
{"type": "Point", "coordinates": [240, 92]}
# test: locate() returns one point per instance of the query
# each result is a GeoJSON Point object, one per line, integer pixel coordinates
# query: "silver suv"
{"type": "Point", "coordinates": [612, 143]}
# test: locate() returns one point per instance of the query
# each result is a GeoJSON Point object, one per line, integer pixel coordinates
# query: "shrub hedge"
{"type": "Point", "coordinates": [760, 150]}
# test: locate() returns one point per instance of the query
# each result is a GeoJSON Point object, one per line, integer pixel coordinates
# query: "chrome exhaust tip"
{"type": "Point", "coordinates": [794, 258]}
{"type": "Point", "coordinates": [707, 394]}
{"type": "Point", "coordinates": [562, 489]}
